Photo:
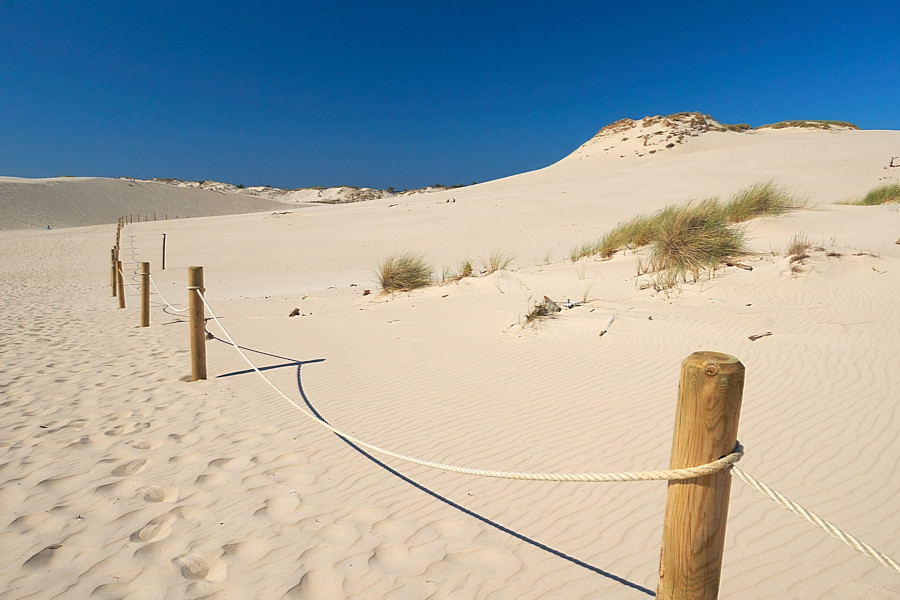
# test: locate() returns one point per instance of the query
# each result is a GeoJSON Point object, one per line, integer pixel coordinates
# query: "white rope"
{"type": "Point", "coordinates": [125, 281]}
{"type": "Point", "coordinates": [671, 474]}
{"type": "Point", "coordinates": [727, 462]}
{"type": "Point", "coordinates": [818, 521]}
{"type": "Point", "coordinates": [164, 298]}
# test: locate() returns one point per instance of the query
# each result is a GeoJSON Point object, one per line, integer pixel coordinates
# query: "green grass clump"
{"type": "Point", "coordinates": [760, 199]}
{"type": "Point", "coordinates": [691, 239]}
{"type": "Point", "coordinates": [881, 195]}
{"type": "Point", "coordinates": [403, 272]}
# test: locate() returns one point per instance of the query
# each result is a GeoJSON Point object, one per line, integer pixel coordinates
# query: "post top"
{"type": "Point", "coordinates": [707, 359]}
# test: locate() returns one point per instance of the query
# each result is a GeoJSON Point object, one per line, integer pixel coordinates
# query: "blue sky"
{"type": "Point", "coordinates": [407, 94]}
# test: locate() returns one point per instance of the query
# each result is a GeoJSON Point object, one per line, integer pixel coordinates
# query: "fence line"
{"type": "Point", "coordinates": [726, 463]}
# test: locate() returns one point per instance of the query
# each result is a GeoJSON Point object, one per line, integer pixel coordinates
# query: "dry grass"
{"type": "Point", "coordinates": [403, 272]}
{"type": "Point", "coordinates": [498, 261]}
{"type": "Point", "coordinates": [796, 250]}
{"type": "Point", "coordinates": [808, 124]}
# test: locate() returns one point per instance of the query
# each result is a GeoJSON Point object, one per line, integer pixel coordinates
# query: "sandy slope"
{"type": "Point", "coordinates": [80, 201]}
{"type": "Point", "coordinates": [119, 480]}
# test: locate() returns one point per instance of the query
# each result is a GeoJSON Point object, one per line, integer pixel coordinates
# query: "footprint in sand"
{"type": "Point", "coordinates": [156, 529]}
{"type": "Point", "coordinates": [146, 444]}
{"type": "Point", "coordinates": [127, 429]}
{"type": "Point", "coordinates": [195, 566]}
{"type": "Point", "coordinates": [155, 493]}
{"type": "Point", "coordinates": [130, 468]}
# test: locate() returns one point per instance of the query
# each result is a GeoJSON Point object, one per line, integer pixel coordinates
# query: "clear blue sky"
{"type": "Point", "coordinates": [406, 94]}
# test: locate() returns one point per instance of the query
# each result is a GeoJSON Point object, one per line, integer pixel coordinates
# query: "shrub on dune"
{"type": "Point", "coordinates": [403, 272]}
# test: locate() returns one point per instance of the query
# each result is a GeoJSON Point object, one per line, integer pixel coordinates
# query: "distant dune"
{"type": "Point", "coordinates": [80, 201]}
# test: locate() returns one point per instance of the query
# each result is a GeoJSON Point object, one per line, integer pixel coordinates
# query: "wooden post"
{"type": "Point", "coordinates": [120, 276]}
{"type": "Point", "coordinates": [198, 318]}
{"type": "Point", "coordinates": [164, 253]}
{"type": "Point", "coordinates": [112, 271]}
{"type": "Point", "coordinates": [145, 294]}
{"type": "Point", "coordinates": [706, 424]}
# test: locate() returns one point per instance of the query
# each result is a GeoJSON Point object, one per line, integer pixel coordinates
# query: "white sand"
{"type": "Point", "coordinates": [120, 480]}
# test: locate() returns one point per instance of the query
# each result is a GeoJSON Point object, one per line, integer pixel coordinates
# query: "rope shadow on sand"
{"type": "Point", "coordinates": [487, 521]}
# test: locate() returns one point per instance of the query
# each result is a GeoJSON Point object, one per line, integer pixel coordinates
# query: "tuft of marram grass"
{"type": "Point", "coordinates": [881, 195]}
{"type": "Point", "coordinates": [691, 239]}
{"type": "Point", "coordinates": [758, 200]}
{"type": "Point", "coordinates": [404, 272]}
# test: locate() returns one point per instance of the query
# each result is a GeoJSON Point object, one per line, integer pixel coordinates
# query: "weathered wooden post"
{"type": "Point", "coordinates": [145, 294]}
{"type": "Point", "coordinates": [198, 320]}
{"type": "Point", "coordinates": [706, 424]}
{"type": "Point", "coordinates": [112, 271]}
{"type": "Point", "coordinates": [120, 277]}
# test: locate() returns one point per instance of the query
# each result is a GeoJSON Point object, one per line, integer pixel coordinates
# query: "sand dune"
{"type": "Point", "coordinates": [81, 201]}
{"type": "Point", "coordinates": [120, 480]}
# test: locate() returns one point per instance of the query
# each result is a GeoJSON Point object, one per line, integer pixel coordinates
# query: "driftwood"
{"type": "Point", "coordinates": [739, 266]}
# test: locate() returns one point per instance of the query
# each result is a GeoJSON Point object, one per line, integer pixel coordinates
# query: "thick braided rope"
{"type": "Point", "coordinates": [827, 527]}
{"type": "Point", "coordinates": [159, 293]}
{"type": "Point", "coordinates": [671, 474]}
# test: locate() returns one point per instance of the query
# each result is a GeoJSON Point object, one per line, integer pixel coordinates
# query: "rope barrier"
{"type": "Point", "coordinates": [826, 526]}
{"type": "Point", "coordinates": [669, 474]}
{"type": "Point", "coordinates": [724, 463]}
{"type": "Point", "coordinates": [125, 281]}
{"type": "Point", "coordinates": [153, 282]}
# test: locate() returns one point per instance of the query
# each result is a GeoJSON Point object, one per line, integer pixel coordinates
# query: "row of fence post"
{"type": "Point", "coordinates": [710, 393]}
{"type": "Point", "coordinates": [136, 218]}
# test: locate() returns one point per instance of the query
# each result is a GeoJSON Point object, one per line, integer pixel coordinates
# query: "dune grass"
{"type": "Point", "coordinates": [403, 272]}
{"type": "Point", "coordinates": [885, 194]}
{"type": "Point", "coordinates": [689, 239]}
{"type": "Point", "coordinates": [497, 261]}
{"type": "Point", "coordinates": [796, 250]}
{"type": "Point", "coordinates": [761, 199]}
{"type": "Point", "coordinates": [808, 124]}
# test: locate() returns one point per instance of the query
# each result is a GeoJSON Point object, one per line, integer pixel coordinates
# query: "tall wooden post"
{"type": "Point", "coordinates": [120, 278]}
{"type": "Point", "coordinates": [112, 271]}
{"type": "Point", "coordinates": [706, 424]}
{"type": "Point", "coordinates": [198, 318]}
{"type": "Point", "coordinates": [145, 294]}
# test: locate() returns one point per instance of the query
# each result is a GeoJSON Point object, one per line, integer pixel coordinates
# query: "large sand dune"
{"type": "Point", "coordinates": [118, 479]}
{"type": "Point", "coordinates": [80, 201]}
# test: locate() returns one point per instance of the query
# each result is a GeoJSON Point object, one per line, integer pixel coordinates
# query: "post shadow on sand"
{"type": "Point", "coordinates": [299, 364]}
